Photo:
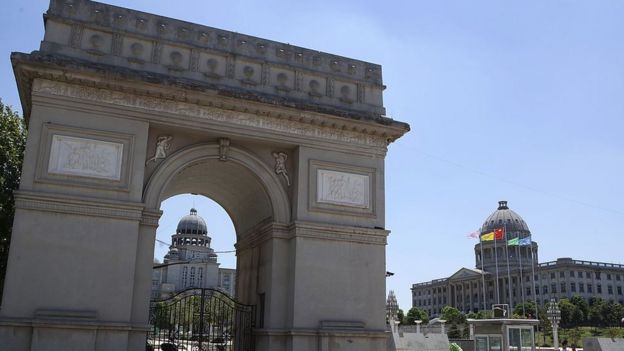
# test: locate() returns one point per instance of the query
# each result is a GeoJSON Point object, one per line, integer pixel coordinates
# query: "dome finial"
{"type": "Point", "coordinates": [502, 205]}
{"type": "Point", "coordinates": [193, 211]}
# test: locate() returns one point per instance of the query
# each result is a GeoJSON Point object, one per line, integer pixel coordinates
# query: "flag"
{"type": "Point", "coordinates": [487, 237]}
{"type": "Point", "coordinates": [525, 242]}
{"type": "Point", "coordinates": [499, 233]}
{"type": "Point", "coordinates": [513, 242]}
{"type": "Point", "coordinates": [473, 235]}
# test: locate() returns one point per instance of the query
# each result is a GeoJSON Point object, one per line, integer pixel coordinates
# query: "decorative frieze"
{"type": "Point", "coordinates": [262, 120]}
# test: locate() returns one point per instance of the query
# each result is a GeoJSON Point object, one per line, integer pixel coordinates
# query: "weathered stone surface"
{"type": "Point", "coordinates": [603, 344]}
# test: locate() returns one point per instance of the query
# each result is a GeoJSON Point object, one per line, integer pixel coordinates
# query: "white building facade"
{"type": "Point", "coordinates": [191, 262]}
{"type": "Point", "coordinates": [512, 275]}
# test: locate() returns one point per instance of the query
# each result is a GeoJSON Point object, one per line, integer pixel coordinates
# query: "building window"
{"type": "Point", "coordinates": [201, 277]}
{"type": "Point", "coordinates": [617, 277]}
{"type": "Point", "coordinates": [580, 274]}
{"type": "Point", "coordinates": [553, 288]}
{"type": "Point", "coordinates": [562, 274]}
{"type": "Point", "coordinates": [581, 287]}
{"type": "Point", "coordinates": [544, 290]}
{"type": "Point", "coordinates": [184, 276]}
{"type": "Point", "coordinates": [608, 276]}
{"type": "Point", "coordinates": [598, 275]}
{"type": "Point", "coordinates": [537, 290]}
{"type": "Point", "coordinates": [571, 274]}
{"type": "Point", "coordinates": [552, 275]}
{"type": "Point", "coordinates": [619, 290]}
{"type": "Point", "coordinates": [193, 276]}
{"type": "Point", "coordinates": [563, 287]}
{"type": "Point", "coordinates": [527, 278]}
{"type": "Point", "coordinates": [610, 289]}
{"type": "Point", "coordinates": [528, 291]}
{"type": "Point", "coordinates": [573, 287]}
{"type": "Point", "coordinates": [590, 288]}
{"type": "Point", "coordinates": [599, 288]}
{"type": "Point", "coordinates": [587, 275]}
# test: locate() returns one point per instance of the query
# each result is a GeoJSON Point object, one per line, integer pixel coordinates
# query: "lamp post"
{"type": "Point", "coordinates": [554, 316]}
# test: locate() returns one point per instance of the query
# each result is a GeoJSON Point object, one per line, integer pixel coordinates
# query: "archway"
{"type": "Point", "coordinates": [126, 109]}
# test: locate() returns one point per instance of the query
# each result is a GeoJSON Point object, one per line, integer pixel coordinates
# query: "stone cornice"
{"type": "Point", "coordinates": [30, 200]}
{"type": "Point", "coordinates": [199, 107]}
{"type": "Point", "coordinates": [271, 230]}
{"type": "Point", "coordinates": [126, 38]}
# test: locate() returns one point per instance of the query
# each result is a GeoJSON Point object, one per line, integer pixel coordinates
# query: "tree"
{"type": "Point", "coordinates": [12, 143]}
{"type": "Point", "coordinates": [401, 316]}
{"type": "Point", "coordinates": [596, 307]}
{"type": "Point", "coordinates": [415, 314]}
{"type": "Point", "coordinates": [582, 305]}
{"type": "Point", "coordinates": [567, 311]}
{"type": "Point", "coordinates": [525, 310]}
{"type": "Point", "coordinates": [452, 315]}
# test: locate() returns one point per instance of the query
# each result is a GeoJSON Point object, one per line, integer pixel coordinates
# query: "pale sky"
{"type": "Point", "coordinates": [508, 100]}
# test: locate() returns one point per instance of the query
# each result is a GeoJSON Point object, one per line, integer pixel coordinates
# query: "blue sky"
{"type": "Point", "coordinates": [508, 100]}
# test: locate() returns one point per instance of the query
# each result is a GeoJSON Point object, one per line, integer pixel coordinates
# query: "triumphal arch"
{"type": "Point", "coordinates": [126, 109]}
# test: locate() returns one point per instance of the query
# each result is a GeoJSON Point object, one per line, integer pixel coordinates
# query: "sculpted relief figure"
{"type": "Point", "coordinates": [163, 143]}
{"type": "Point", "coordinates": [280, 165]}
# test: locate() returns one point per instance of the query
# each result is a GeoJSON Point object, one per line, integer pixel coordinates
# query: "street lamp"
{"type": "Point", "coordinates": [554, 316]}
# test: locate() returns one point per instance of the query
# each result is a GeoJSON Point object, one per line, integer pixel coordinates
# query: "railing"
{"type": "Point", "coordinates": [201, 320]}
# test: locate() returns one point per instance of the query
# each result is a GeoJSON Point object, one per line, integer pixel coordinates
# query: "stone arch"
{"type": "Point", "coordinates": [261, 189]}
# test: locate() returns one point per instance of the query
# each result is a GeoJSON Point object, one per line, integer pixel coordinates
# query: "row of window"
{"type": "Point", "coordinates": [191, 283]}
{"type": "Point", "coordinates": [553, 290]}
{"type": "Point", "coordinates": [527, 278]}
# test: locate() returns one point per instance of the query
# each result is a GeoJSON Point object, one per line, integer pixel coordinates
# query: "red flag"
{"type": "Point", "coordinates": [499, 233]}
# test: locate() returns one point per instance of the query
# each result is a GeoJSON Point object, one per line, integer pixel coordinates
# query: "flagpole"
{"type": "Point", "coordinates": [508, 271]}
{"type": "Point", "coordinates": [496, 264]}
{"type": "Point", "coordinates": [482, 272]}
{"type": "Point", "coordinates": [533, 278]}
{"type": "Point", "coordinates": [519, 253]}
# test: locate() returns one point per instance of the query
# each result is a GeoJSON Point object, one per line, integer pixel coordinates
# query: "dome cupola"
{"type": "Point", "coordinates": [503, 217]}
{"type": "Point", "coordinates": [192, 224]}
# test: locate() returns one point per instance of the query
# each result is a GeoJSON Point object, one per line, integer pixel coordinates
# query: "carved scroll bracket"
{"type": "Point", "coordinates": [224, 148]}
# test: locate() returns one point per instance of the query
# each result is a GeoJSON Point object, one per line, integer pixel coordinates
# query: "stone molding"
{"type": "Point", "coordinates": [271, 230]}
{"type": "Point", "coordinates": [30, 200]}
{"type": "Point", "coordinates": [298, 124]}
{"type": "Point", "coordinates": [125, 37]}
{"type": "Point", "coordinates": [367, 333]}
{"type": "Point", "coordinates": [72, 324]}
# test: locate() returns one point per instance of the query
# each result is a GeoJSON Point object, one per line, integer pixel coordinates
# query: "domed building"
{"type": "Point", "coordinates": [190, 261]}
{"type": "Point", "coordinates": [507, 271]}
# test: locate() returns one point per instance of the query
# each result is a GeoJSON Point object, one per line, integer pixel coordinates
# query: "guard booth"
{"type": "Point", "coordinates": [503, 334]}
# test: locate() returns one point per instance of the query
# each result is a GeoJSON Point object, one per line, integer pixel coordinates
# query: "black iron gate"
{"type": "Point", "coordinates": [201, 320]}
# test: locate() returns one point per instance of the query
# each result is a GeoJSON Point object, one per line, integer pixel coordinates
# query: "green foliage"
{"type": "Point", "coordinates": [12, 143]}
{"type": "Point", "coordinates": [567, 311]}
{"type": "Point", "coordinates": [575, 336]}
{"type": "Point", "coordinates": [525, 310]}
{"type": "Point", "coordinates": [452, 315]}
{"type": "Point", "coordinates": [416, 313]}
{"type": "Point", "coordinates": [401, 316]}
{"type": "Point", "coordinates": [454, 332]}
{"type": "Point", "coordinates": [454, 347]}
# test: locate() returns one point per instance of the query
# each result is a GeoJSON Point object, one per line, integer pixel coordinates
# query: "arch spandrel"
{"type": "Point", "coordinates": [244, 185]}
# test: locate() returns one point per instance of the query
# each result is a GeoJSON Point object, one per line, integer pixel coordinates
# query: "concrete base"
{"type": "Point", "coordinates": [603, 344]}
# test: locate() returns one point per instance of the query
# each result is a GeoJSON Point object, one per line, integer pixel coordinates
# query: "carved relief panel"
{"type": "Point", "coordinates": [76, 156]}
{"type": "Point", "coordinates": [343, 188]}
